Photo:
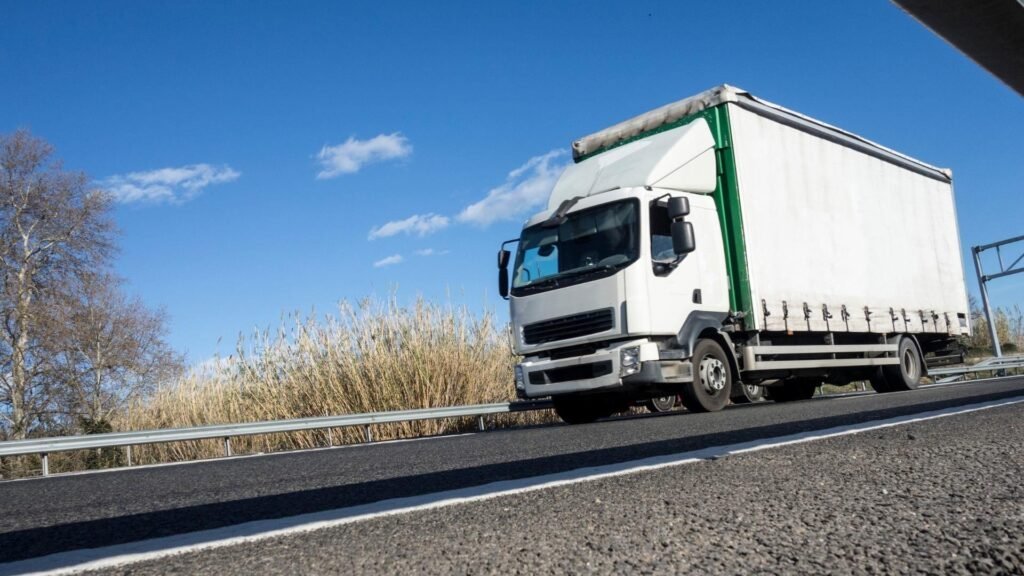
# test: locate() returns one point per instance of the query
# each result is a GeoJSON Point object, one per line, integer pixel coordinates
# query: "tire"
{"type": "Point", "coordinates": [878, 381]}
{"type": "Point", "coordinates": [712, 379]}
{"type": "Point", "coordinates": [794, 389]}
{"type": "Point", "coordinates": [747, 393]}
{"type": "Point", "coordinates": [660, 404]}
{"type": "Point", "coordinates": [907, 374]}
{"type": "Point", "coordinates": [581, 409]}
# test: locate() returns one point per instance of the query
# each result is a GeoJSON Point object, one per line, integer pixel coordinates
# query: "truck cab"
{"type": "Point", "coordinates": [612, 283]}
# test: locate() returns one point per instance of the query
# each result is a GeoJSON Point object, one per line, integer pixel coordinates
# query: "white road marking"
{"type": "Point", "coordinates": [121, 554]}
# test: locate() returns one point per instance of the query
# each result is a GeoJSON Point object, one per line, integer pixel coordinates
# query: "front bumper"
{"type": "Point", "coordinates": [600, 370]}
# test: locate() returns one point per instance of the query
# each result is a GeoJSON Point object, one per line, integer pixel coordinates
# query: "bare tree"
{"type": "Point", "coordinates": [107, 350]}
{"type": "Point", "coordinates": [53, 229]}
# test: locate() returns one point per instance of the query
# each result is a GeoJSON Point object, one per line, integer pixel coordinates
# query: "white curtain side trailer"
{"type": "Point", "coordinates": [827, 231]}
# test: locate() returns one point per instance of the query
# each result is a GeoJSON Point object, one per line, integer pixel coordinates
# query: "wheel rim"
{"type": "Point", "coordinates": [752, 390]}
{"type": "Point", "coordinates": [664, 403]}
{"type": "Point", "coordinates": [910, 368]}
{"type": "Point", "coordinates": [713, 375]}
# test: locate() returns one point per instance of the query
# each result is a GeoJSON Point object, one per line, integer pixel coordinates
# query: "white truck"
{"type": "Point", "coordinates": [723, 246]}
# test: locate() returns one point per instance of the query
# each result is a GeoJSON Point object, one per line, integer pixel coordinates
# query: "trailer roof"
{"type": "Point", "coordinates": [654, 119]}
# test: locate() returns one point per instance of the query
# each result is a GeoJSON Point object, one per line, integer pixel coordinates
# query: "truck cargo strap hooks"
{"type": "Point", "coordinates": [983, 280]}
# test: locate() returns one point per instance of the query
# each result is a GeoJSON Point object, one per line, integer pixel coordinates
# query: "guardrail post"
{"type": "Point", "coordinates": [46, 464]}
{"type": "Point", "coordinates": [227, 447]}
{"type": "Point", "coordinates": [369, 434]}
{"type": "Point", "coordinates": [330, 437]}
{"type": "Point", "coordinates": [481, 424]}
{"type": "Point", "coordinates": [128, 452]}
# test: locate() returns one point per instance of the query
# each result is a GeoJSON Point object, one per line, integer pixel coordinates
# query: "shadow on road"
{"type": "Point", "coordinates": [29, 543]}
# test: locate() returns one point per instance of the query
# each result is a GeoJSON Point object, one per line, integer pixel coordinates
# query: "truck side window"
{"type": "Point", "coordinates": [661, 234]}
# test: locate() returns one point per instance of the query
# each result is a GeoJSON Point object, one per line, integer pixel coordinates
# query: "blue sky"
{"type": "Point", "coordinates": [260, 150]}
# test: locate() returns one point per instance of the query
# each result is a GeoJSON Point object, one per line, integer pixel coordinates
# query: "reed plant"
{"type": "Point", "coordinates": [371, 356]}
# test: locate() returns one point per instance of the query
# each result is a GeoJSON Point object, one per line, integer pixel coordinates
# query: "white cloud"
{"type": "Point", "coordinates": [524, 189]}
{"type": "Point", "coordinates": [419, 224]}
{"type": "Point", "coordinates": [167, 185]}
{"type": "Point", "coordinates": [350, 156]}
{"type": "Point", "coordinates": [214, 365]}
{"type": "Point", "coordinates": [389, 261]}
{"type": "Point", "coordinates": [431, 252]}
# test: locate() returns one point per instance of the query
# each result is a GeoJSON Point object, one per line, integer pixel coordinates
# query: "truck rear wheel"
{"type": "Point", "coordinates": [747, 393]}
{"type": "Point", "coordinates": [794, 389]}
{"type": "Point", "coordinates": [712, 379]}
{"type": "Point", "coordinates": [878, 381]}
{"type": "Point", "coordinates": [907, 374]}
{"type": "Point", "coordinates": [661, 404]}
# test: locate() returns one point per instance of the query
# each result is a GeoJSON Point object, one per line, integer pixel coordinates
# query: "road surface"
{"type": "Point", "coordinates": [939, 494]}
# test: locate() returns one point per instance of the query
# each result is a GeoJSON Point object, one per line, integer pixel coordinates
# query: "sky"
{"type": "Point", "coordinates": [278, 157]}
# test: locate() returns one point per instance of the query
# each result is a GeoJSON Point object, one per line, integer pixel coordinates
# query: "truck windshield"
{"type": "Point", "coordinates": [588, 244]}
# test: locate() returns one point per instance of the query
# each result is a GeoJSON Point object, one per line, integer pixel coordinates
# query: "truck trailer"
{"type": "Point", "coordinates": [722, 247]}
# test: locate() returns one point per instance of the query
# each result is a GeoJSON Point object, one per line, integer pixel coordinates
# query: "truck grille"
{"type": "Point", "coordinates": [569, 326]}
{"type": "Point", "coordinates": [569, 373]}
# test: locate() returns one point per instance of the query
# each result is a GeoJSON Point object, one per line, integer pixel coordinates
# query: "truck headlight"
{"type": "Point", "coordinates": [520, 380]}
{"type": "Point", "coordinates": [629, 360]}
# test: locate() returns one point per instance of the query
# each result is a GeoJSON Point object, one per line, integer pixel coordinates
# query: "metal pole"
{"type": "Point", "coordinates": [330, 437]}
{"type": "Point", "coordinates": [227, 447]}
{"type": "Point", "coordinates": [481, 424]}
{"type": "Point", "coordinates": [46, 464]}
{"type": "Point", "coordinates": [128, 451]}
{"type": "Point", "coordinates": [369, 434]}
{"type": "Point", "coordinates": [984, 301]}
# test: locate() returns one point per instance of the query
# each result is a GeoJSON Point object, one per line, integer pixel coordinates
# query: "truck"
{"type": "Point", "coordinates": [723, 248]}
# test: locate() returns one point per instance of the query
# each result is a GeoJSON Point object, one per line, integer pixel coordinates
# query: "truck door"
{"type": "Point", "coordinates": [698, 282]}
{"type": "Point", "coordinates": [672, 289]}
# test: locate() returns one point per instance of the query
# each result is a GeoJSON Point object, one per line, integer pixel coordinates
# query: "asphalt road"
{"type": "Point", "coordinates": [782, 507]}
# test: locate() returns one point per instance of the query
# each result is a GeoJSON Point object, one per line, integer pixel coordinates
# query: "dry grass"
{"type": "Point", "coordinates": [370, 357]}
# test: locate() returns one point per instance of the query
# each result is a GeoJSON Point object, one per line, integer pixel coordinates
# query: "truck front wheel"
{"type": "Point", "coordinates": [712, 379]}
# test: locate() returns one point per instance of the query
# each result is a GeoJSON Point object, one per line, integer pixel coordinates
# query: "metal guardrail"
{"type": "Point", "coordinates": [997, 364]}
{"type": "Point", "coordinates": [46, 446]}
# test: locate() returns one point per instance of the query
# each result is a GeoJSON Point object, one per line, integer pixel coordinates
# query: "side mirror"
{"type": "Point", "coordinates": [683, 240]}
{"type": "Point", "coordinates": [678, 207]}
{"type": "Point", "coordinates": [503, 257]}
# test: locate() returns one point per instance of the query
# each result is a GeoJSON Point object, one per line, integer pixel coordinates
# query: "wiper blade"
{"type": "Point", "coordinates": [569, 276]}
{"type": "Point", "coordinates": [552, 281]}
{"type": "Point", "coordinates": [599, 268]}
